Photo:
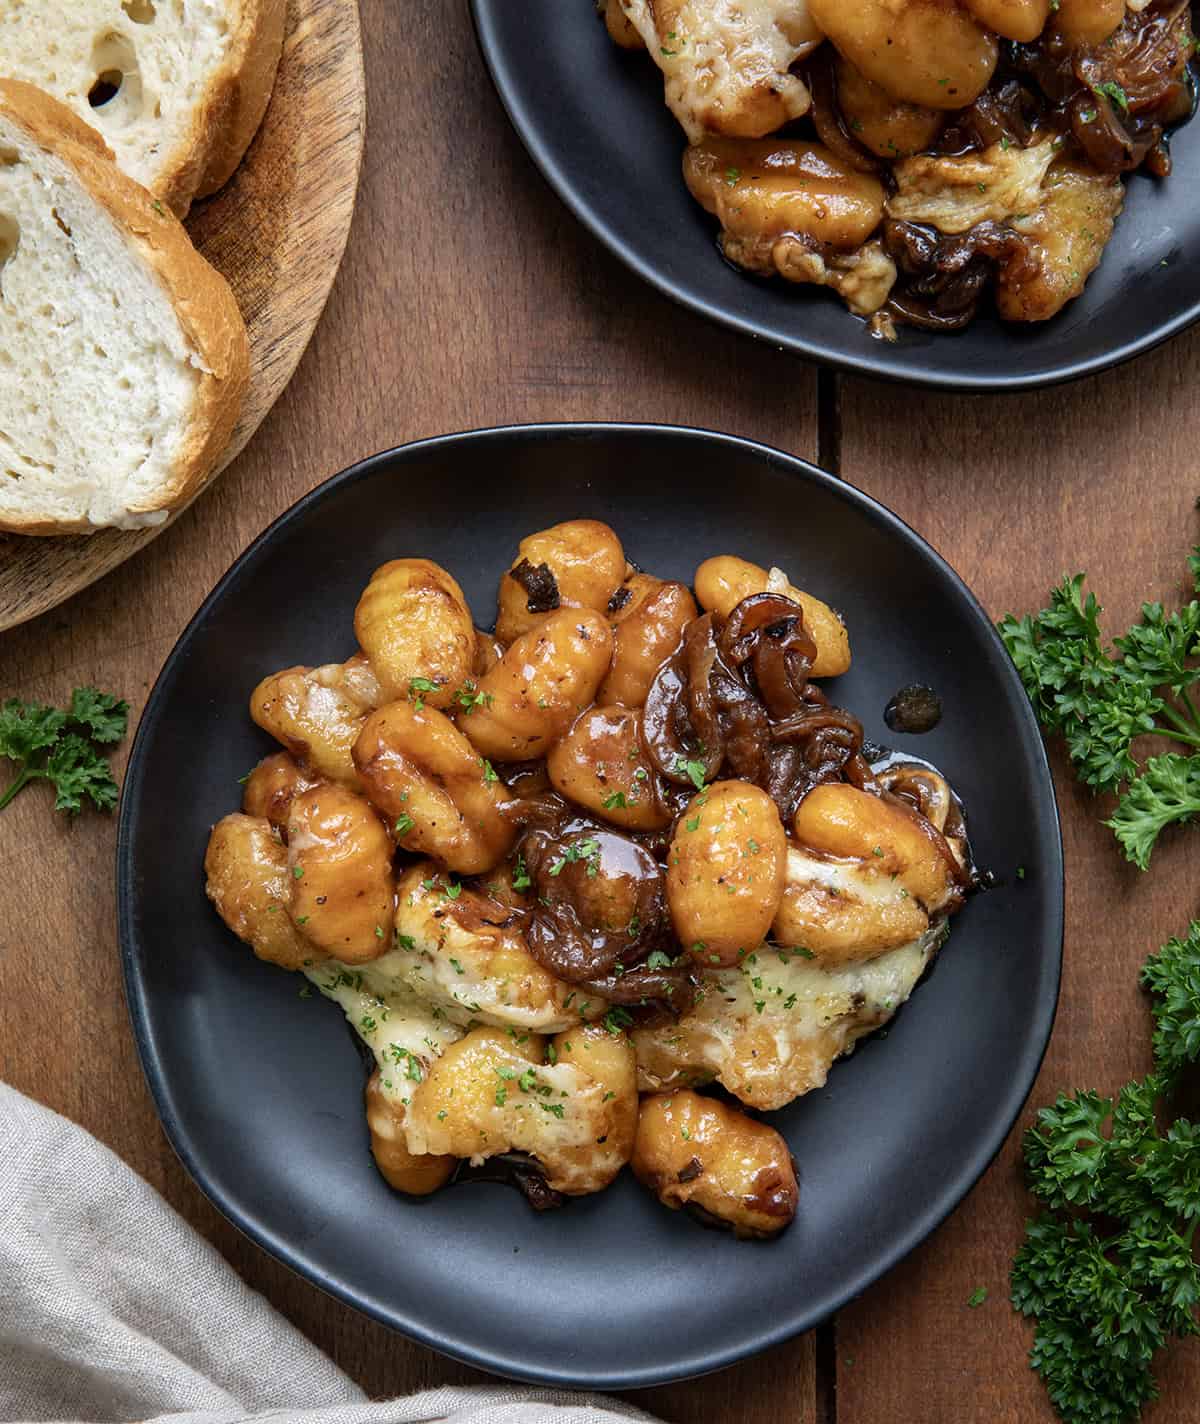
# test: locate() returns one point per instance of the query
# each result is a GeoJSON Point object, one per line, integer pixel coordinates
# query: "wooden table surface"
{"type": "Point", "coordinates": [469, 297]}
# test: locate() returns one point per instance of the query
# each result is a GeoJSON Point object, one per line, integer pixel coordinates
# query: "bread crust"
{"type": "Point", "coordinates": [203, 302]}
{"type": "Point", "coordinates": [232, 108]}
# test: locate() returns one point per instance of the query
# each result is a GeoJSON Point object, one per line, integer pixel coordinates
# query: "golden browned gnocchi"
{"type": "Point", "coordinates": [725, 873]}
{"type": "Point", "coordinates": [491, 1093]}
{"type": "Point", "coordinates": [314, 715]}
{"type": "Point", "coordinates": [601, 765]}
{"type": "Point", "coordinates": [541, 684]}
{"type": "Point", "coordinates": [864, 875]}
{"type": "Point", "coordinates": [246, 866]}
{"type": "Point", "coordinates": [416, 630]}
{"type": "Point", "coordinates": [578, 564]}
{"type": "Point", "coordinates": [888, 127]}
{"type": "Point", "coordinates": [340, 866]}
{"type": "Point", "coordinates": [415, 1175]}
{"type": "Point", "coordinates": [272, 786]}
{"type": "Point", "coordinates": [764, 191]}
{"type": "Point", "coordinates": [799, 117]}
{"type": "Point", "coordinates": [930, 52]}
{"type": "Point", "coordinates": [561, 881]}
{"type": "Point", "coordinates": [704, 1156]}
{"type": "Point", "coordinates": [433, 788]}
{"type": "Point", "coordinates": [722, 583]}
{"type": "Point", "coordinates": [648, 627]}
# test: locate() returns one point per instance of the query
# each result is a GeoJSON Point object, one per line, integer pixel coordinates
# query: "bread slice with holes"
{"type": "Point", "coordinates": [123, 357]}
{"type": "Point", "coordinates": [177, 88]}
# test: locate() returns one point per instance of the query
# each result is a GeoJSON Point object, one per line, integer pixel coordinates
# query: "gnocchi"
{"type": "Point", "coordinates": [437, 793]}
{"type": "Point", "coordinates": [703, 1156]}
{"type": "Point", "coordinates": [416, 630]}
{"type": "Point", "coordinates": [545, 679]}
{"type": "Point", "coordinates": [339, 862]}
{"type": "Point", "coordinates": [802, 119]}
{"type": "Point", "coordinates": [562, 878]}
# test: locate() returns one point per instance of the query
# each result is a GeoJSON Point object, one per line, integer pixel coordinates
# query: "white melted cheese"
{"type": "Point", "coordinates": [403, 1033]}
{"type": "Point", "coordinates": [717, 55]}
{"type": "Point", "coordinates": [770, 1030]}
{"type": "Point", "coordinates": [848, 878]}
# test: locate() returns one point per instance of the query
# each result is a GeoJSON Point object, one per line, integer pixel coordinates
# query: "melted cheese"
{"type": "Point", "coordinates": [726, 63]}
{"type": "Point", "coordinates": [404, 1034]}
{"type": "Point", "coordinates": [474, 970]}
{"type": "Point", "coordinates": [770, 1030]}
{"type": "Point", "coordinates": [956, 194]}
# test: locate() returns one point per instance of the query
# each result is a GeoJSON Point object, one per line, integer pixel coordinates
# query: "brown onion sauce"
{"type": "Point", "coordinates": [1111, 107]}
{"type": "Point", "coordinates": [733, 701]}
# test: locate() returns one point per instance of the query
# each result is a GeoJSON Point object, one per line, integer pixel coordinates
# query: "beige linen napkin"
{"type": "Point", "coordinates": [113, 1309]}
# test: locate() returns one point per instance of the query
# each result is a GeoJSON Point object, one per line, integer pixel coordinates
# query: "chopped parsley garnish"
{"type": "Point", "coordinates": [409, 1061]}
{"type": "Point", "coordinates": [586, 850]}
{"type": "Point", "coordinates": [1112, 90]}
{"type": "Point", "coordinates": [693, 770]}
{"type": "Point", "coordinates": [616, 1020]}
{"type": "Point", "coordinates": [418, 685]}
{"type": "Point", "coordinates": [469, 697]}
{"type": "Point", "coordinates": [403, 825]}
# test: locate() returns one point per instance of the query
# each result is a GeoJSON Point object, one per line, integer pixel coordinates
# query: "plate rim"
{"type": "Point", "coordinates": [483, 14]}
{"type": "Point", "coordinates": [404, 1321]}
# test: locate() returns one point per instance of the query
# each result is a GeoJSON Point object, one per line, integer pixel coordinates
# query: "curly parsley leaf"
{"type": "Point", "coordinates": [104, 716]}
{"type": "Point", "coordinates": [65, 747]}
{"type": "Point", "coordinates": [1156, 650]}
{"type": "Point", "coordinates": [1173, 977]}
{"type": "Point", "coordinates": [1108, 1269]}
{"type": "Point", "coordinates": [1101, 700]}
{"type": "Point", "coordinates": [28, 727]}
{"type": "Point", "coordinates": [1167, 791]}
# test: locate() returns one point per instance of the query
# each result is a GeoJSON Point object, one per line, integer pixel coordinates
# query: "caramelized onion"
{"type": "Point", "coordinates": [946, 276]}
{"type": "Point", "coordinates": [540, 585]}
{"type": "Point", "coordinates": [828, 118]}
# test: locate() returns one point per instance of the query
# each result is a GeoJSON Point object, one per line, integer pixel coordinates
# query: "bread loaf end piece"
{"type": "Point", "coordinates": [123, 356]}
{"type": "Point", "coordinates": [177, 88]}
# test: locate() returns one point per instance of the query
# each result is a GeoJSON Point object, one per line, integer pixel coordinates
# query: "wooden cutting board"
{"type": "Point", "coordinates": [276, 232]}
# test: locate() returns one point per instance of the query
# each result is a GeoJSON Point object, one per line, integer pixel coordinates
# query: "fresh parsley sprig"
{"type": "Point", "coordinates": [1101, 700]}
{"type": "Point", "coordinates": [1108, 1269]}
{"type": "Point", "coordinates": [65, 746]}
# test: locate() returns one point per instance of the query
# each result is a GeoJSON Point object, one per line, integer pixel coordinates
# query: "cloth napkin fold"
{"type": "Point", "coordinates": [112, 1309]}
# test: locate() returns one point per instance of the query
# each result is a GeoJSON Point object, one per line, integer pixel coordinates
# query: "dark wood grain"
{"type": "Point", "coordinates": [468, 297]}
{"type": "Point", "coordinates": [1015, 492]}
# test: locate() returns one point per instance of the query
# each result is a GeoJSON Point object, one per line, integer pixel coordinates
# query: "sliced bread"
{"type": "Point", "coordinates": [123, 357]}
{"type": "Point", "coordinates": [177, 88]}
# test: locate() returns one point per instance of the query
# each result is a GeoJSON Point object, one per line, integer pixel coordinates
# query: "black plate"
{"type": "Point", "coordinates": [260, 1092]}
{"type": "Point", "coordinates": [593, 119]}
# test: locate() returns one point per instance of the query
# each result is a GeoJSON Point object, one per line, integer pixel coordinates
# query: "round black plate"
{"type": "Point", "coordinates": [593, 119]}
{"type": "Point", "coordinates": [260, 1091]}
